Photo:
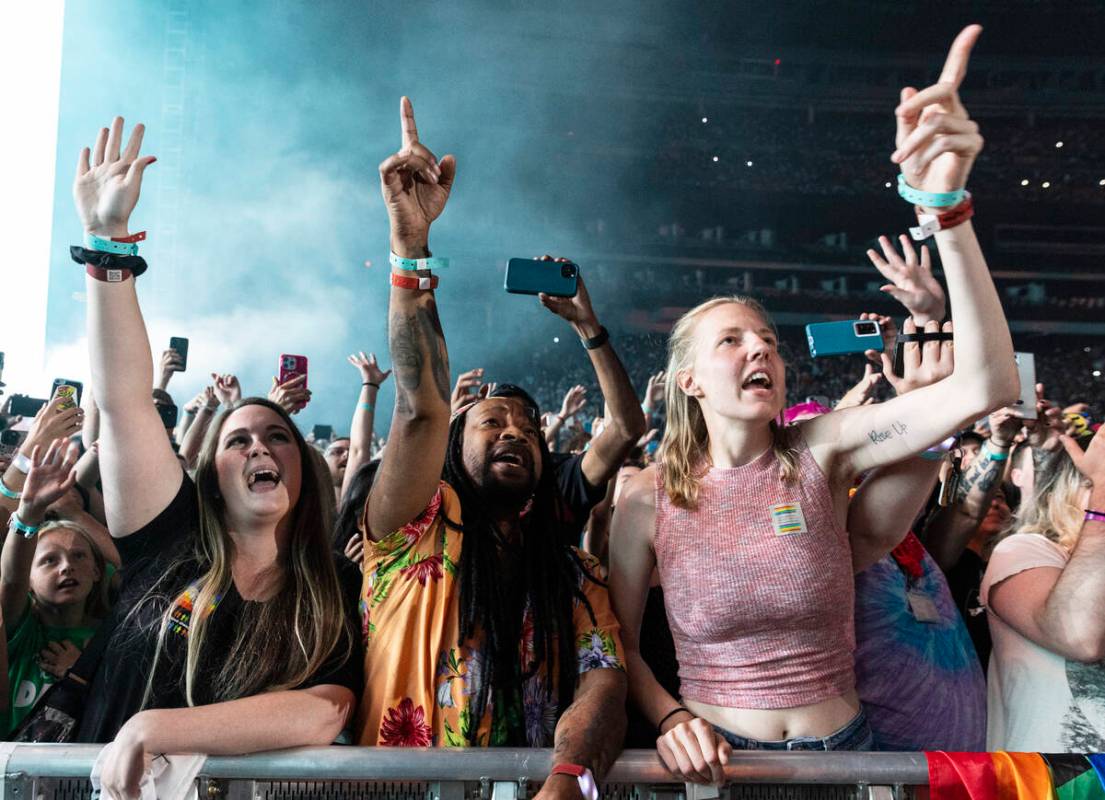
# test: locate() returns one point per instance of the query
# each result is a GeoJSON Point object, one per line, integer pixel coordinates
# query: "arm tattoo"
{"type": "Point", "coordinates": [415, 338]}
{"type": "Point", "coordinates": [897, 428]}
{"type": "Point", "coordinates": [1042, 460]}
{"type": "Point", "coordinates": [591, 732]}
{"type": "Point", "coordinates": [981, 477]}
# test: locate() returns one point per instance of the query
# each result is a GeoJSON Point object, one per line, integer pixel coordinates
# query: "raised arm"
{"type": "Point", "coordinates": [936, 146]}
{"type": "Point", "coordinates": [624, 421]}
{"type": "Point", "coordinates": [190, 445]}
{"type": "Point", "coordinates": [415, 187]}
{"type": "Point", "coordinates": [1063, 610]}
{"type": "Point", "coordinates": [364, 416]}
{"type": "Point", "coordinates": [51, 476]}
{"type": "Point", "coordinates": [139, 471]}
{"type": "Point", "coordinates": [574, 401]}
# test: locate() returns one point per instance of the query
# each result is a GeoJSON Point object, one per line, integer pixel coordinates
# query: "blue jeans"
{"type": "Point", "coordinates": [856, 735]}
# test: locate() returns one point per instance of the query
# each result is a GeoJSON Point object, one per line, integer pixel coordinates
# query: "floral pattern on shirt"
{"type": "Point", "coordinates": [419, 688]}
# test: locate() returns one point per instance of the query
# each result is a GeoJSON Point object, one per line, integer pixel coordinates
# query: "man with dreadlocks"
{"type": "Point", "coordinates": [482, 626]}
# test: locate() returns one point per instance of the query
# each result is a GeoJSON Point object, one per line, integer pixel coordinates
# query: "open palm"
{"type": "Point", "coordinates": [107, 183]}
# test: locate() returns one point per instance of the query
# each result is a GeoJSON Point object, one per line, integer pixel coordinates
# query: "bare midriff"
{"type": "Point", "coordinates": [776, 724]}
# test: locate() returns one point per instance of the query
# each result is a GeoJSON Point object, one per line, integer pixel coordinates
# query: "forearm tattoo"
{"type": "Point", "coordinates": [593, 734]}
{"type": "Point", "coordinates": [981, 477]}
{"type": "Point", "coordinates": [415, 338]}
{"type": "Point", "coordinates": [897, 428]}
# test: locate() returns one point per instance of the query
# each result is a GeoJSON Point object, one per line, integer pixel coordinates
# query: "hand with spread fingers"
{"type": "Point", "coordinates": [226, 388]}
{"type": "Point", "coordinates": [466, 389]}
{"type": "Point", "coordinates": [574, 401]}
{"type": "Point", "coordinates": [936, 142]}
{"type": "Point", "coordinates": [415, 186]}
{"type": "Point", "coordinates": [50, 477]}
{"type": "Point", "coordinates": [911, 280]}
{"type": "Point", "coordinates": [863, 393]}
{"type": "Point", "coordinates": [923, 364]}
{"type": "Point", "coordinates": [108, 182]}
{"type": "Point", "coordinates": [369, 368]}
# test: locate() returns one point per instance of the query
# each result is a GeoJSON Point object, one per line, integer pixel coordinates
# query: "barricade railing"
{"type": "Point", "coordinates": [60, 772]}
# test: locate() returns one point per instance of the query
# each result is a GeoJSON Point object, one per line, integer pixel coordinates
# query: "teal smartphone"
{"type": "Point", "coordinates": [530, 276]}
{"type": "Point", "coordinates": [844, 337]}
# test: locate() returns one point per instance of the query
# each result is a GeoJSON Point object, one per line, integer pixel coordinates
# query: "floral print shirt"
{"type": "Point", "coordinates": [419, 685]}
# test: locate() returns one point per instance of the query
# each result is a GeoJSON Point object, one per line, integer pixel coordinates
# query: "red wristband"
{"type": "Point", "coordinates": [575, 770]}
{"type": "Point", "coordinates": [931, 223]}
{"type": "Point", "coordinates": [134, 238]}
{"type": "Point", "coordinates": [586, 780]}
{"type": "Point", "coordinates": [107, 275]}
{"type": "Point", "coordinates": [404, 282]}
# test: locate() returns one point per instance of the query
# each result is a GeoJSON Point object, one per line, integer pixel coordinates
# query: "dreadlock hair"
{"type": "Point", "coordinates": [547, 581]}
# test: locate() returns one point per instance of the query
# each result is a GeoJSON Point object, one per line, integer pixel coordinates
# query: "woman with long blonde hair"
{"type": "Point", "coordinates": [1044, 595]}
{"type": "Point", "coordinates": [745, 520]}
{"type": "Point", "coordinates": [233, 632]}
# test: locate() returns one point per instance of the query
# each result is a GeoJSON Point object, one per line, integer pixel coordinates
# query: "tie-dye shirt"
{"type": "Point", "coordinates": [420, 685]}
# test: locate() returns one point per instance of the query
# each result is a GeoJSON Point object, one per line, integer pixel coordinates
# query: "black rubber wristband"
{"type": "Point", "coordinates": [370, 383]}
{"type": "Point", "coordinates": [596, 342]}
{"type": "Point", "coordinates": [669, 715]}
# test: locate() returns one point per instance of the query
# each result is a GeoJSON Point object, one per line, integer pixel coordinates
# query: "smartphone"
{"type": "Point", "coordinates": [10, 441]}
{"type": "Point", "coordinates": [1026, 368]}
{"type": "Point", "coordinates": [292, 367]}
{"type": "Point", "coordinates": [24, 406]}
{"type": "Point", "coordinates": [843, 337]}
{"type": "Point", "coordinates": [180, 344]}
{"type": "Point", "coordinates": [168, 413]}
{"type": "Point", "coordinates": [530, 276]}
{"type": "Point", "coordinates": [70, 390]}
{"type": "Point", "coordinates": [323, 433]}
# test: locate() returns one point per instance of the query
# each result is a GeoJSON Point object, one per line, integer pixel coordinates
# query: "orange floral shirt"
{"type": "Point", "coordinates": [419, 683]}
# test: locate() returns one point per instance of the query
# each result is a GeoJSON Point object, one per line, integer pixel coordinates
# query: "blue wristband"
{"type": "Point", "coordinates": [8, 493]}
{"type": "Point", "coordinates": [929, 199]}
{"type": "Point", "coordinates": [417, 263]}
{"type": "Point", "coordinates": [93, 242]}
{"type": "Point", "coordinates": [366, 406]}
{"type": "Point", "coordinates": [27, 531]}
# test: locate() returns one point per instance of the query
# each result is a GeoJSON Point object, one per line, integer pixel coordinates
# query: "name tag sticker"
{"type": "Point", "coordinates": [922, 607]}
{"type": "Point", "coordinates": [788, 519]}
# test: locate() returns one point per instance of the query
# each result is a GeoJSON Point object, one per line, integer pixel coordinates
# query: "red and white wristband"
{"type": "Point", "coordinates": [587, 786]}
{"type": "Point", "coordinates": [931, 223]}
{"type": "Point", "coordinates": [404, 282]}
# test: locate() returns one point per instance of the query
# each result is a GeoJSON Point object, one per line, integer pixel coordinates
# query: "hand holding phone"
{"type": "Point", "coordinates": [557, 278]}
{"type": "Point", "coordinates": [844, 337]}
{"type": "Point", "coordinates": [69, 390]}
{"type": "Point", "coordinates": [179, 345]}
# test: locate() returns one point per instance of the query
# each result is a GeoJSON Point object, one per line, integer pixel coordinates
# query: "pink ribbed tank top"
{"type": "Point", "coordinates": [758, 587]}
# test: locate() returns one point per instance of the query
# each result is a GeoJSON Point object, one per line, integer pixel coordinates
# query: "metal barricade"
{"type": "Point", "coordinates": [60, 772]}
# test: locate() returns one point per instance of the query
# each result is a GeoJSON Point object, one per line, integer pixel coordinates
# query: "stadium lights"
{"type": "Point", "coordinates": [887, 184]}
{"type": "Point", "coordinates": [705, 120]}
{"type": "Point", "coordinates": [1097, 373]}
{"type": "Point", "coordinates": [1101, 182]}
{"type": "Point", "coordinates": [1058, 144]}
{"type": "Point", "coordinates": [715, 159]}
{"type": "Point", "coordinates": [1046, 184]}
{"type": "Point", "coordinates": [1024, 182]}
{"type": "Point", "coordinates": [556, 340]}
{"type": "Point", "coordinates": [748, 163]}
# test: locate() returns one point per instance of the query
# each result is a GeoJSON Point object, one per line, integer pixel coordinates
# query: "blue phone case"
{"type": "Point", "coordinates": [529, 276]}
{"type": "Point", "coordinates": [844, 337]}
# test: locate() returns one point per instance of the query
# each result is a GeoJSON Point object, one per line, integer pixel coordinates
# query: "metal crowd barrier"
{"type": "Point", "coordinates": [60, 772]}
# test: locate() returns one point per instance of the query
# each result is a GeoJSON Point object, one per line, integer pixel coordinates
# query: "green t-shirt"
{"type": "Point", "coordinates": [27, 680]}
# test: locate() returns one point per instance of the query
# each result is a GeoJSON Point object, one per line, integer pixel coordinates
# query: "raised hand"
{"type": "Point", "coordinates": [1005, 424]}
{"type": "Point", "coordinates": [291, 394]}
{"type": "Point", "coordinates": [415, 186]}
{"type": "Point", "coordinates": [226, 387]}
{"type": "Point", "coordinates": [863, 393]}
{"type": "Point", "coordinates": [911, 280]}
{"type": "Point", "coordinates": [369, 369]}
{"type": "Point", "coordinates": [1044, 432]}
{"type": "Point", "coordinates": [577, 309]}
{"type": "Point", "coordinates": [936, 142]}
{"type": "Point", "coordinates": [171, 361]}
{"type": "Point", "coordinates": [51, 476]}
{"type": "Point", "coordinates": [50, 424]}
{"type": "Point", "coordinates": [1090, 463]}
{"type": "Point", "coordinates": [654, 391]}
{"type": "Point", "coordinates": [466, 388]}
{"type": "Point", "coordinates": [574, 401]}
{"type": "Point", "coordinates": [107, 183]}
{"type": "Point", "coordinates": [922, 364]}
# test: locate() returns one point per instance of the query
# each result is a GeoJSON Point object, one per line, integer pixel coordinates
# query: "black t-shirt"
{"type": "Point", "coordinates": [578, 494]}
{"type": "Point", "coordinates": [161, 555]}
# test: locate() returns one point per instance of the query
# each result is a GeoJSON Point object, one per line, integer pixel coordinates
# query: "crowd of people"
{"type": "Point", "coordinates": [723, 546]}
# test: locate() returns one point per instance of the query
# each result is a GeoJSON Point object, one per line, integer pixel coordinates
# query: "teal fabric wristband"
{"type": "Point", "coordinates": [27, 531]}
{"type": "Point", "coordinates": [929, 199]}
{"type": "Point", "coordinates": [366, 406]}
{"type": "Point", "coordinates": [93, 242]}
{"type": "Point", "coordinates": [417, 263]}
{"type": "Point", "coordinates": [8, 493]}
{"type": "Point", "coordinates": [995, 456]}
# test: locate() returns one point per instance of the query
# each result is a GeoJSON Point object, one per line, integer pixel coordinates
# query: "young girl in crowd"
{"type": "Point", "coordinates": [53, 587]}
{"type": "Point", "coordinates": [764, 636]}
{"type": "Point", "coordinates": [232, 633]}
{"type": "Point", "coordinates": [1044, 599]}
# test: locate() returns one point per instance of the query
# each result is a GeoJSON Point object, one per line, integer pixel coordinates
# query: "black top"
{"type": "Point", "coordinates": [165, 547]}
{"type": "Point", "coordinates": [578, 494]}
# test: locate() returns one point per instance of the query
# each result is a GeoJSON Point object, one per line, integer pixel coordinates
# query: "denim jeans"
{"type": "Point", "coordinates": [856, 735]}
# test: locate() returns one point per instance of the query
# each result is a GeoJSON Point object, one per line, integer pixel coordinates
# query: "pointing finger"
{"type": "Point", "coordinates": [955, 67]}
{"type": "Point", "coordinates": [410, 130]}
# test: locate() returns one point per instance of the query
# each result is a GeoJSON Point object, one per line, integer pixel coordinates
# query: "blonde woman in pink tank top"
{"type": "Point", "coordinates": [745, 520]}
